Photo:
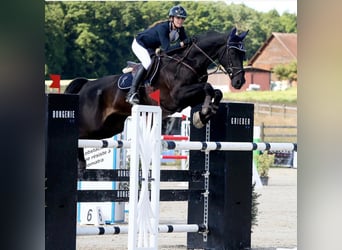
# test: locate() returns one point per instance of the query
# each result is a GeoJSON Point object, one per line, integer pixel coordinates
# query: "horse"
{"type": "Point", "coordinates": [179, 76]}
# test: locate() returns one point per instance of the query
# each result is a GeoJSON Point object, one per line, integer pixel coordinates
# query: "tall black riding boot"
{"type": "Point", "coordinates": [133, 96]}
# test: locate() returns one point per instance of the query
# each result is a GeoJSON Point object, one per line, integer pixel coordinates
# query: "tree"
{"type": "Point", "coordinates": [286, 71]}
{"type": "Point", "coordinates": [93, 39]}
{"type": "Point", "coordinates": [55, 42]}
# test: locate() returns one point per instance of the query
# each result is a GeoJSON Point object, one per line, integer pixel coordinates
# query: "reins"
{"type": "Point", "coordinates": [182, 62]}
{"type": "Point", "coordinates": [219, 66]}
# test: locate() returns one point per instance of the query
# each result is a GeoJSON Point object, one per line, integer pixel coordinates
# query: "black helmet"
{"type": "Point", "coordinates": [177, 11]}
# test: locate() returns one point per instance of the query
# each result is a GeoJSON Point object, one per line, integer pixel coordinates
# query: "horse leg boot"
{"type": "Point", "coordinates": [133, 96]}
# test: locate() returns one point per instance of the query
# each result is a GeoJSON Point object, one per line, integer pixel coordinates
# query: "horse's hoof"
{"type": "Point", "coordinates": [196, 120]}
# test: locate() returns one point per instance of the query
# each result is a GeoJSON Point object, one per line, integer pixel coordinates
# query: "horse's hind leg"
{"type": "Point", "coordinates": [81, 160]}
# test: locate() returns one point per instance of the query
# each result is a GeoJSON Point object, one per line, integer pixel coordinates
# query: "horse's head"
{"type": "Point", "coordinates": [233, 56]}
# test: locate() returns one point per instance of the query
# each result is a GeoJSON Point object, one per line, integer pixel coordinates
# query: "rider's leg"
{"type": "Point", "coordinates": [133, 96]}
{"type": "Point", "coordinates": [144, 57]}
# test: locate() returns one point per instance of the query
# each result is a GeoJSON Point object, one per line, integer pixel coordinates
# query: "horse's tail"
{"type": "Point", "coordinates": [76, 85]}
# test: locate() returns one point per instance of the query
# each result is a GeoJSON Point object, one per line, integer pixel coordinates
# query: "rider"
{"type": "Point", "coordinates": [168, 35]}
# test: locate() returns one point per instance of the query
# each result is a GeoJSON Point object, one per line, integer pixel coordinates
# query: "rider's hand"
{"type": "Point", "coordinates": [187, 41]}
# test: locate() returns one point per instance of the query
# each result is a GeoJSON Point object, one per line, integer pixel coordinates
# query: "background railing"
{"type": "Point", "coordinates": [278, 132]}
{"type": "Point", "coordinates": [274, 109]}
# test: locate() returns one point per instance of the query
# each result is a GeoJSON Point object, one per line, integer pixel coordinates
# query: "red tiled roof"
{"type": "Point", "coordinates": [287, 40]}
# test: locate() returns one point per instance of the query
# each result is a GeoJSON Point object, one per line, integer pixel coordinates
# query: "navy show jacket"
{"type": "Point", "coordinates": [158, 37]}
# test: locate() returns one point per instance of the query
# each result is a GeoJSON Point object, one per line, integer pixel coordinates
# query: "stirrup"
{"type": "Point", "coordinates": [133, 98]}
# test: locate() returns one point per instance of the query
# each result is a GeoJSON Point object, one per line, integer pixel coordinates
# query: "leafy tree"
{"type": "Point", "coordinates": [287, 71]}
{"type": "Point", "coordinates": [93, 39]}
{"type": "Point", "coordinates": [289, 21]}
{"type": "Point", "coordinates": [55, 42]}
{"type": "Point", "coordinates": [85, 47]}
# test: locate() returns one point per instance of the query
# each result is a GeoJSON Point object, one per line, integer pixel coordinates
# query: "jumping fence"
{"type": "Point", "coordinates": [219, 176]}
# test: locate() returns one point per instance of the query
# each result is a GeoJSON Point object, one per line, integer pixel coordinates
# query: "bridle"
{"type": "Point", "coordinates": [230, 71]}
{"type": "Point", "coordinates": [232, 45]}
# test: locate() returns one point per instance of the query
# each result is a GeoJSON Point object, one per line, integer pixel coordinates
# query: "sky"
{"type": "Point", "coordinates": [266, 5]}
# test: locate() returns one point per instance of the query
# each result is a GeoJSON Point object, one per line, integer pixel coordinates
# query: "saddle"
{"type": "Point", "coordinates": [125, 80]}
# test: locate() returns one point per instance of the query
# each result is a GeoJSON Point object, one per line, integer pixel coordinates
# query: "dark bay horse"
{"type": "Point", "coordinates": [180, 76]}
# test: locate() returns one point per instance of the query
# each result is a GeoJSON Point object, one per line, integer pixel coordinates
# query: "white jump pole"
{"type": "Point", "coordinates": [123, 229]}
{"type": "Point", "coordinates": [145, 152]}
{"type": "Point", "coordinates": [229, 146]}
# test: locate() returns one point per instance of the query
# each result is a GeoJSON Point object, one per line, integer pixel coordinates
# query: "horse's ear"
{"type": "Point", "coordinates": [233, 32]}
{"type": "Point", "coordinates": [243, 34]}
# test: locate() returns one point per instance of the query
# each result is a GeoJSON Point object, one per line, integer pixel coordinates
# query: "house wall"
{"type": "Point", "coordinates": [261, 78]}
{"type": "Point", "coordinates": [221, 81]}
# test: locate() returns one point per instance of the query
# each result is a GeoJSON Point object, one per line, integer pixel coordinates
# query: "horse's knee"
{"type": "Point", "coordinates": [209, 90]}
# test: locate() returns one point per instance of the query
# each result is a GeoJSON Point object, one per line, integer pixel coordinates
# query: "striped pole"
{"type": "Point", "coordinates": [105, 143]}
{"type": "Point", "coordinates": [229, 146]}
{"type": "Point", "coordinates": [123, 229]}
{"type": "Point", "coordinates": [196, 145]}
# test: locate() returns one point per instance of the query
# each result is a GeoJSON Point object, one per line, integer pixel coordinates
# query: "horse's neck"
{"type": "Point", "coordinates": [201, 57]}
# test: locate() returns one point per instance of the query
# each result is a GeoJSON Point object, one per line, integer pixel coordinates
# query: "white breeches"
{"type": "Point", "coordinates": [142, 54]}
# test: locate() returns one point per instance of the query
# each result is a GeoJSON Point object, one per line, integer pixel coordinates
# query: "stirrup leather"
{"type": "Point", "coordinates": [133, 98]}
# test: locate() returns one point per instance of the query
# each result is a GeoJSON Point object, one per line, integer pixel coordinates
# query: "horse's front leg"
{"type": "Point", "coordinates": [209, 106]}
{"type": "Point", "coordinates": [217, 98]}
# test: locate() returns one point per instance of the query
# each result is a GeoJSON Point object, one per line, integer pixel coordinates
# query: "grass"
{"type": "Point", "coordinates": [278, 121]}
{"type": "Point", "coordinates": [288, 96]}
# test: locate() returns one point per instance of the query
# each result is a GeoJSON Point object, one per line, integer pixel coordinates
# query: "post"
{"type": "Point", "coordinates": [61, 171]}
{"type": "Point", "coordinates": [145, 153]}
{"type": "Point", "coordinates": [262, 131]}
{"type": "Point", "coordinates": [230, 181]}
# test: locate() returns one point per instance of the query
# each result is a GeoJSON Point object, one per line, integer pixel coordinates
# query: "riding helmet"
{"type": "Point", "coordinates": [177, 11]}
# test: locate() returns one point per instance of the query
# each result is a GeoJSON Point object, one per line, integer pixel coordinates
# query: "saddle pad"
{"type": "Point", "coordinates": [125, 81]}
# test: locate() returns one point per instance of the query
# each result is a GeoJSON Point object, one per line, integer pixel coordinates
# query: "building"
{"type": "Point", "coordinates": [279, 48]}
{"type": "Point", "coordinates": [256, 79]}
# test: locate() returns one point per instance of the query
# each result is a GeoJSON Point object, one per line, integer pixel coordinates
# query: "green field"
{"type": "Point", "coordinates": [288, 96]}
